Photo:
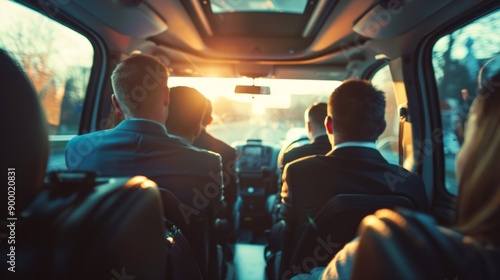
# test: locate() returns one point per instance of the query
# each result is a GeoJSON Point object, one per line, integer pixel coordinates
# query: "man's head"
{"type": "Point", "coordinates": [315, 120]}
{"type": "Point", "coordinates": [140, 88]}
{"type": "Point", "coordinates": [356, 112]}
{"type": "Point", "coordinates": [186, 111]}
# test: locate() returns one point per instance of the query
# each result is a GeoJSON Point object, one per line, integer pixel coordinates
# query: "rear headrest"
{"type": "Point", "coordinates": [24, 148]}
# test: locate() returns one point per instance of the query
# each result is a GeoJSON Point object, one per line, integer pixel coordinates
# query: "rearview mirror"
{"type": "Point", "coordinates": [252, 90]}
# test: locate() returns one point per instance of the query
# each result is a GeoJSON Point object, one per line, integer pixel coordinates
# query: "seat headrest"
{"type": "Point", "coordinates": [25, 144]}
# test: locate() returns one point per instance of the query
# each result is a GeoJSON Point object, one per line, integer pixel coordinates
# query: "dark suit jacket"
{"type": "Point", "coordinates": [141, 147]}
{"type": "Point", "coordinates": [228, 154]}
{"type": "Point", "coordinates": [320, 146]}
{"type": "Point", "coordinates": [308, 183]}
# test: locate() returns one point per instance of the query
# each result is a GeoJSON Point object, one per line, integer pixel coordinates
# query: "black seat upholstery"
{"type": "Point", "coordinates": [334, 226]}
{"type": "Point", "coordinates": [75, 226]}
{"type": "Point", "coordinates": [25, 144]}
{"type": "Point", "coordinates": [409, 245]}
{"type": "Point", "coordinates": [200, 231]}
{"type": "Point", "coordinates": [95, 229]}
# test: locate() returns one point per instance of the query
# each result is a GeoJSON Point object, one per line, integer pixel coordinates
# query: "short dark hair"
{"type": "Point", "coordinates": [357, 110]}
{"type": "Point", "coordinates": [317, 113]}
{"type": "Point", "coordinates": [186, 110]}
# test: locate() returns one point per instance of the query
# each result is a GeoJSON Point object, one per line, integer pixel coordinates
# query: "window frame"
{"type": "Point", "coordinates": [370, 73]}
{"type": "Point", "coordinates": [443, 203]}
{"type": "Point", "coordinates": [96, 79]}
{"type": "Point", "coordinates": [90, 106]}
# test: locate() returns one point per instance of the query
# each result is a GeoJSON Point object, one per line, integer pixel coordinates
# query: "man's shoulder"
{"type": "Point", "coordinates": [296, 151]}
{"type": "Point", "coordinates": [205, 153]}
{"type": "Point", "coordinates": [308, 149]}
{"type": "Point", "coordinates": [198, 153]}
{"type": "Point", "coordinates": [297, 148]}
{"type": "Point", "coordinates": [204, 160]}
{"type": "Point", "coordinates": [398, 169]}
{"type": "Point", "coordinates": [310, 161]}
{"type": "Point", "coordinates": [211, 143]}
{"type": "Point", "coordinates": [225, 149]}
{"type": "Point", "coordinates": [219, 144]}
{"type": "Point", "coordinates": [402, 175]}
{"type": "Point", "coordinates": [93, 137]}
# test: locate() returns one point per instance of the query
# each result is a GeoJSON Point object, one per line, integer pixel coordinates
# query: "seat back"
{"type": "Point", "coordinates": [25, 146]}
{"type": "Point", "coordinates": [181, 263]}
{"type": "Point", "coordinates": [334, 226]}
{"type": "Point", "coordinates": [199, 230]}
{"type": "Point", "coordinates": [93, 229]}
{"type": "Point", "coordinates": [410, 245]}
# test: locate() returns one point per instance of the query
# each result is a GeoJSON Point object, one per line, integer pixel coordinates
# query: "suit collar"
{"type": "Point", "coordinates": [370, 145]}
{"type": "Point", "coordinates": [148, 120]}
{"type": "Point", "coordinates": [357, 152]}
{"type": "Point", "coordinates": [321, 139]}
{"type": "Point", "coordinates": [142, 126]}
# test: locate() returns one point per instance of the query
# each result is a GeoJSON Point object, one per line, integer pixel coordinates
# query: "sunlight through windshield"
{"type": "Point", "coordinates": [238, 117]}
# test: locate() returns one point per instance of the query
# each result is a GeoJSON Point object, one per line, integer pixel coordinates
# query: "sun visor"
{"type": "Point", "coordinates": [132, 18]}
{"type": "Point", "coordinates": [391, 18]}
{"type": "Point", "coordinates": [253, 70]}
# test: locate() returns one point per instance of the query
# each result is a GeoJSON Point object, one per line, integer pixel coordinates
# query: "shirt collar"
{"type": "Point", "coordinates": [356, 144]}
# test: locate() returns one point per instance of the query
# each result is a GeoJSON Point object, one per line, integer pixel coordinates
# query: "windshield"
{"type": "Point", "coordinates": [275, 118]}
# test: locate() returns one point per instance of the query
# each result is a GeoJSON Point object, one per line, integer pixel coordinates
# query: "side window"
{"type": "Point", "coordinates": [387, 143]}
{"type": "Point", "coordinates": [457, 58]}
{"type": "Point", "coordinates": [58, 61]}
{"type": "Point", "coordinates": [56, 58]}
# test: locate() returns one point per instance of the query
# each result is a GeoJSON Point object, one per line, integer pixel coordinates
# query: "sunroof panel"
{"type": "Point", "coordinates": [270, 6]}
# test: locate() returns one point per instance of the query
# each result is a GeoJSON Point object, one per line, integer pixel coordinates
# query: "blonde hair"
{"type": "Point", "coordinates": [479, 186]}
{"type": "Point", "coordinates": [135, 80]}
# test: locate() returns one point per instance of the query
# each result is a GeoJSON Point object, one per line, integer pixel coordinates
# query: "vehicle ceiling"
{"type": "Point", "coordinates": [319, 44]}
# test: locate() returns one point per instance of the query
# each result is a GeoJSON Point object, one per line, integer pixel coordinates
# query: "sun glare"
{"type": "Point", "coordinates": [258, 109]}
{"type": "Point", "coordinates": [281, 90]}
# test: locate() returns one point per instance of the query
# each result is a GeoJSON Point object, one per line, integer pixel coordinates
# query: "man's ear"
{"type": "Point", "coordinates": [166, 97]}
{"type": "Point", "coordinates": [197, 130]}
{"type": "Point", "coordinates": [329, 125]}
{"type": "Point", "coordinates": [115, 102]}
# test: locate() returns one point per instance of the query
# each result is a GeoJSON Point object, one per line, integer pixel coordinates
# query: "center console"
{"type": "Point", "coordinates": [256, 171]}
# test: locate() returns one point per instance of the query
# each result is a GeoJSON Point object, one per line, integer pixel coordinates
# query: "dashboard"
{"type": "Point", "coordinates": [257, 176]}
{"type": "Point", "coordinates": [254, 157]}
